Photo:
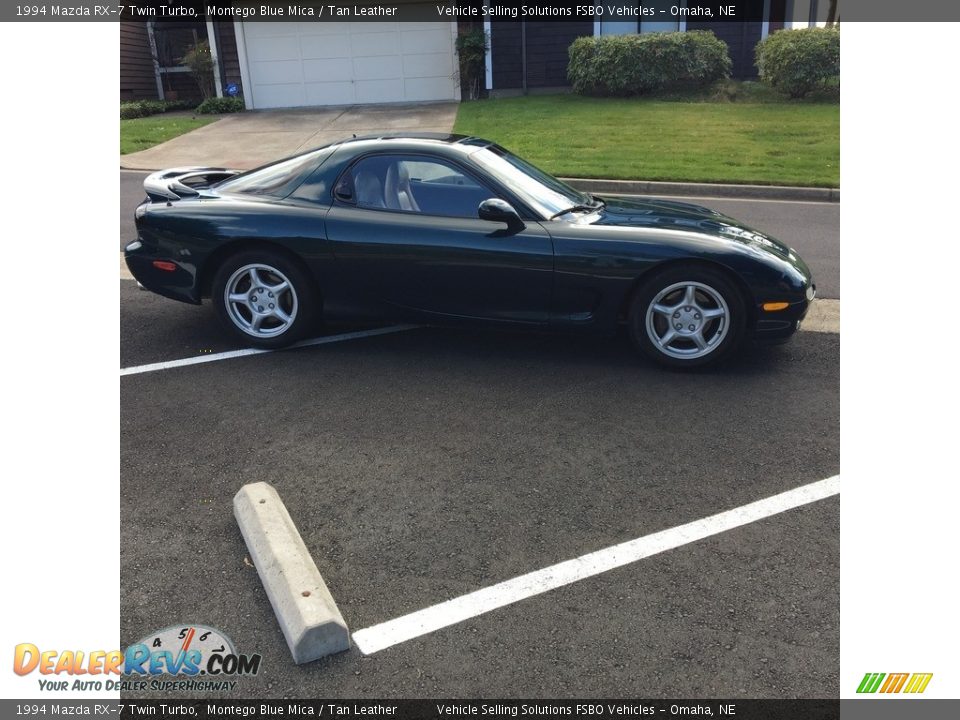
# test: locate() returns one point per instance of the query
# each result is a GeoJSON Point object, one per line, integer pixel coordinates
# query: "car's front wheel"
{"type": "Point", "coordinates": [264, 298]}
{"type": "Point", "coordinates": [687, 317]}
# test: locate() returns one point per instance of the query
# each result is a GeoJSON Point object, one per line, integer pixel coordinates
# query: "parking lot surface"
{"type": "Point", "coordinates": [425, 464]}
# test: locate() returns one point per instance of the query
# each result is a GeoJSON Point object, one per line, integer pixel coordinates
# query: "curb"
{"type": "Point", "coordinates": [744, 192]}
{"type": "Point", "coordinates": [308, 616]}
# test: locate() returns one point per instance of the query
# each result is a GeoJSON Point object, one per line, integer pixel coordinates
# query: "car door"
{"type": "Point", "coordinates": [408, 243]}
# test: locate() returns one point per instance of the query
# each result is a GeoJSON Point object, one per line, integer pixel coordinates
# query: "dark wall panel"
{"type": "Point", "coordinates": [137, 79]}
{"type": "Point", "coordinates": [547, 45]}
{"type": "Point", "coordinates": [227, 54]}
{"type": "Point", "coordinates": [741, 39]}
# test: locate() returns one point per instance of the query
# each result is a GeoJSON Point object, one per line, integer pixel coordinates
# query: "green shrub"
{"type": "Point", "coordinates": [144, 108]}
{"type": "Point", "coordinates": [472, 49]}
{"type": "Point", "coordinates": [132, 110]}
{"type": "Point", "coordinates": [621, 65]}
{"type": "Point", "coordinates": [171, 105]}
{"type": "Point", "coordinates": [799, 61]}
{"type": "Point", "coordinates": [218, 105]}
{"type": "Point", "coordinates": [153, 107]}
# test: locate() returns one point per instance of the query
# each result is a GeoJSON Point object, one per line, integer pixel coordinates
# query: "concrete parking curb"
{"type": "Point", "coordinates": [743, 192]}
{"type": "Point", "coordinates": [308, 616]}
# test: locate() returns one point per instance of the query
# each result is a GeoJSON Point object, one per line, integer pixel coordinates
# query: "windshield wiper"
{"type": "Point", "coordinates": [583, 207]}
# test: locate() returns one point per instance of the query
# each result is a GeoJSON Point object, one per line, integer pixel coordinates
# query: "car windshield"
{"type": "Point", "coordinates": [543, 192]}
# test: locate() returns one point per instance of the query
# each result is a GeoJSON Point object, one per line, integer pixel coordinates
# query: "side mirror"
{"type": "Point", "coordinates": [344, 190]}
{"type": "Point", "coordinates": [497, 210]}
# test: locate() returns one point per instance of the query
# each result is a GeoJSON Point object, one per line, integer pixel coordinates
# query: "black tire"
{"type": "Point", "coordinates": [718, 314]}
{"type": "Point", "coordinates": [258, 321]}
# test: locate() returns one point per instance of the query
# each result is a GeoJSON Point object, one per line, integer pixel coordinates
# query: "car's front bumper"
{"type": "Point", "coordinates": [778, 326]}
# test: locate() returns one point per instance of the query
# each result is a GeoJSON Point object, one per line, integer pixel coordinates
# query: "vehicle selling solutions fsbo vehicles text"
{"type": "Point", "coordinates": [586, 10]}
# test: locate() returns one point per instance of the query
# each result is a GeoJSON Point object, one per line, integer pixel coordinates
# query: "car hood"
{"type": "Point", "coordinates": [671, 215]}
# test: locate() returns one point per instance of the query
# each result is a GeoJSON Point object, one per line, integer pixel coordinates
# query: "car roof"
{"type": "Point", "coordinates": [406, 141]}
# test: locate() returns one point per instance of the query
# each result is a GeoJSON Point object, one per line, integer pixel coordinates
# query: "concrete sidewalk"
{"type": "Point", "coordinates": [247, 140]}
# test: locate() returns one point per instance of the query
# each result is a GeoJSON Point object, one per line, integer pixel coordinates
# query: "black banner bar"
{"type": "Point", "coordinates": [859, 709]}
{"type": "Point", "coordinates": [874, 708]}
{"type": "Point", "coordinates": [430, 709]}
{"type": "Point", "coordinates": [779, 14]}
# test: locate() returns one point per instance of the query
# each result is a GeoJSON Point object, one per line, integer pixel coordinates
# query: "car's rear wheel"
{"type": "Point", "coordinates": [264, 298]}
{"type": "Point", "coordinates": [687, 317]}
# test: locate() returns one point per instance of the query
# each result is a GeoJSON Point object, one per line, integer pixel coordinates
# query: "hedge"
{"type": "Point", "coordinates": [799, 61]}
{"type": "Point", "coordinates": [621, 65]}
{"type": "Point", "coordinates": [217, 105]}
{"type": "Point", "coordinates": [145, 108]}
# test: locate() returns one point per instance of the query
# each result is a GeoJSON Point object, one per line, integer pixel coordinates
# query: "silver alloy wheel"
{"type": "Point", "coordinates": [687, 320]}
{"type": "Point", "coordinates": [260, 300]}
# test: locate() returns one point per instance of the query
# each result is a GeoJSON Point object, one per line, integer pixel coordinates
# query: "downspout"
{"type": "Point", "coordinates": [488, 62]}
{"type": "Point", "coordinates": [215, 56]}
{"type": "Point", "coordinates": [156, 62]}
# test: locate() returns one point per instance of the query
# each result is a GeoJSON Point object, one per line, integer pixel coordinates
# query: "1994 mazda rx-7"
{"type": "Point", "coordinates": [451, 229]}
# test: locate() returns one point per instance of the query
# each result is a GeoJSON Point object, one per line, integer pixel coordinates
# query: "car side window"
{"type": "Point", "coordinates": [412, 184]}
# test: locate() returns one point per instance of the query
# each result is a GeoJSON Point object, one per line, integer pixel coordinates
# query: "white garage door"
{"type": "Point", "coordinates": [339, 63]}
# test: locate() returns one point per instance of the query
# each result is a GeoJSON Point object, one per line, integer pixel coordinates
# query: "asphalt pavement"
{"type": "Point", "coordinates": [429, 463]}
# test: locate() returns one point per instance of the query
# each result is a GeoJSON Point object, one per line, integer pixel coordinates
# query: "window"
{"type": "Point", "coordinates": [410, 183]}
{"type": "Point", "coordinates": [278, 179]}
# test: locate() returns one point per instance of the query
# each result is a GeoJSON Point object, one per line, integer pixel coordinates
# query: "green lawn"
{"type": "Point", "coordinates": [142, 133]}
{"type": "Point", "coordinates": [767, 143]}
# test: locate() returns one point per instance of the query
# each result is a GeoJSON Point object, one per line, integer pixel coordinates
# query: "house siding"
{"type": "Point", "coordinates": [227, 54]}
{"type": "Point", "coordinates": [547, 58]}
{"type": "Point", "coordinates": [137, 78]}
{"type": "Point", "coordinates": [741, 39]}
{"type": "Point", "coordinates": [505, 53]}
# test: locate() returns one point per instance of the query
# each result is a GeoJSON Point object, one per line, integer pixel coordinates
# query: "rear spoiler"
{"type": "Point", "coordinates": [177, 183]}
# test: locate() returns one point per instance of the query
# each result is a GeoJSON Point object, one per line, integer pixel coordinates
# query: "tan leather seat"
{"type": "Point", "coordinates": [398, 192]}
{"type": "Point", "coordinates": [369, 193]}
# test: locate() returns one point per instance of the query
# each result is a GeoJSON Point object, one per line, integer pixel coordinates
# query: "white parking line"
{"type": "Point", "coordinates": [214, 357]}
{"type": "Point", "coordinates": [422, 622]}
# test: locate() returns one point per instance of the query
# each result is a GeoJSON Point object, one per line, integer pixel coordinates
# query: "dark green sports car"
{"type": "Point", "coordinates": [444, 229]}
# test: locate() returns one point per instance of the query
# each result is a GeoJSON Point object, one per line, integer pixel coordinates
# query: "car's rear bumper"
{"type": "Point", "coordinates": [178, 283]}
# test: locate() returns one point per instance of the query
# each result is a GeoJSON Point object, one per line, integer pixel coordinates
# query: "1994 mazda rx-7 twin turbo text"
{"type": "Point", "coordinates": [450, 229]}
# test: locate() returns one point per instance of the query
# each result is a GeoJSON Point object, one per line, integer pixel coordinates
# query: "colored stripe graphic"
{"type": "Point", "coordinates": [918, 682]}
{"type": "Point", "coordinates": [894, 682]}
{"type": "Point", "coordinates": [870, 682]}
